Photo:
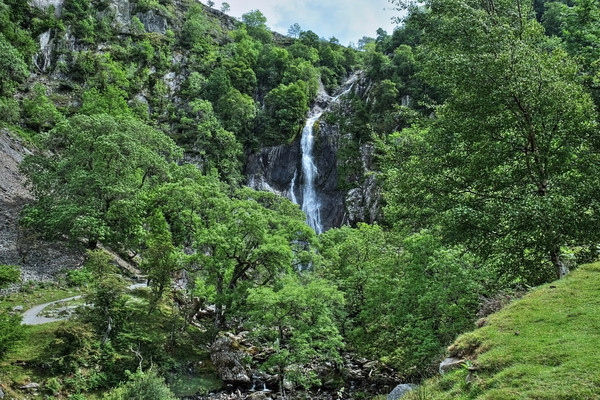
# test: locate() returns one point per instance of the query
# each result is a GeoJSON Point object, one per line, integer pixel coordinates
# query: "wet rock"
{"type": "Point", "coordinates": [400, 390]}
{"type": "Point", "coordinates": [227, 357]}
{"type": "Point", "coordinates": [43, 59]}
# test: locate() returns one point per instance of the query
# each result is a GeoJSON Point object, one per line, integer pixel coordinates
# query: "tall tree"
{"type": "Point", "coordinates": [90, 188]}
{"type": "Point", "coordinates": [509, 165]}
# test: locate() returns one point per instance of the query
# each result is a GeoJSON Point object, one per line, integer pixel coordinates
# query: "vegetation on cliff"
{"type": "Point", "coordinates": [483, 124]}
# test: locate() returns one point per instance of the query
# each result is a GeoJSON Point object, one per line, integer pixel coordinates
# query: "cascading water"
{"type": "Point", "coordinates": [310, 201]}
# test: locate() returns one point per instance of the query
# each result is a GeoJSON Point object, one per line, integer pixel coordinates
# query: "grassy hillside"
{"type": "Point", "coordinates": [544, 346]}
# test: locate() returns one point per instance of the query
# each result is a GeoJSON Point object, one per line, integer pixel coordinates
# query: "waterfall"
{"type": "Point", "coordinates": [292, 185]}
{"type": "Point", "coordinates": [310, 201]}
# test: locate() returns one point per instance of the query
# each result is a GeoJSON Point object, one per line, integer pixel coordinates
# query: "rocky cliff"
{"type": "Point", "coordinates": [356, 198]}
{"type": "Point", "coordinates": [38, 259]}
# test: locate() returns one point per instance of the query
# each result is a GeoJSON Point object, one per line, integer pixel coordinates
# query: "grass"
{"type": "Point", "coordinates": [21, 365]}
{"type": "Point", "coordinates": [543, 346]}
{"type": "Point", "coordinates": [31, 295]}
{"type": "Point", "coordinates": [25, 363]}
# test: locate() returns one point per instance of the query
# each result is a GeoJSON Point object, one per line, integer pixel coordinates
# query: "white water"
{"type": "Point", "coordinates": [292, 184]}
{"type": "Point", "coordinates": [310, 201]}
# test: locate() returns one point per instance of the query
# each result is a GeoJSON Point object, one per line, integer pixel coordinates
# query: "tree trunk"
{"type": "Point", "coordinates": [559, 266]}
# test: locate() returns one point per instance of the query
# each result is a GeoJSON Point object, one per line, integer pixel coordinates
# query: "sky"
{"type": "Point", "coordinates": [347, 20]}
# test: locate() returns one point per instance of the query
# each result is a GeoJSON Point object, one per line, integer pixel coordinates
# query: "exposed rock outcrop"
{"type": "Point", "coordinates": [38, 259]}
{"type": "Point", "coordinates": [400, 390]}
{"type": "Point", "coordinates": [226, 355]}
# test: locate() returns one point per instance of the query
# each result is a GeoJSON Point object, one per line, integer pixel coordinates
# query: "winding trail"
{"type": "Point", "coordinates": [32, 317]}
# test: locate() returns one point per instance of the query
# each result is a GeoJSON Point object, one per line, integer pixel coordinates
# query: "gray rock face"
{"type": "Point", "coordinates": [39, 260]}
{"type": "Point", "coordinates": [45, 4]}
{"type": "Point", "coordinates": [400, 390]}
{"type": "Point", "coordinates": [122, 13]}
{"type": "Point", "coordinates": [227, 359]}
{"type": "Point", "coordinates": [273, 168]}
{"type": "Point", "coordinates": [362, 202]}
{"type": "Point", "coordinates": [43, 59]}
{"type": "Point", "coordinates": [153, 22]}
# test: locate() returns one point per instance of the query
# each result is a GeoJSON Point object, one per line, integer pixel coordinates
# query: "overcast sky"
{"type": "Point", "coordinates": [347, 20]}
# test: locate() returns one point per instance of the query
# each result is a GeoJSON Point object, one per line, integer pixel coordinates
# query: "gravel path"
{"type": "Point", "coordinates": [31, 317]}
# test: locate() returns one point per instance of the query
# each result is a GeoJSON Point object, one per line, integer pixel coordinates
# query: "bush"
{"type": "Point", "coordinates": [9, 274]}
{"type": "Point", "coordinates": [79, 277]}
{"type": "Point", "coordinates": [142, 386]}
{"type": "Point", "coordinates": [11, 332]}
{"type": "Point", "coordinates": [9, 109]}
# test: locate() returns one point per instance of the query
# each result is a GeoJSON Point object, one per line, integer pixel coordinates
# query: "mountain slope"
{"type": "Point", "coordinates": [539, 347]}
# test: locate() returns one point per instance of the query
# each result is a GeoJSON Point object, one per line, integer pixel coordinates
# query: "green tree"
{"type": "Point", "coordinates": [218, 148]}
{"type": "Point", "coordinates": [294, 30]}
{"type": "Point", "coordinates": [9, 274]}
{"type": "Point", "coordinates": [40, 112]}
{"type": "Point", "coordinates": [256, 24]}
{"type": "Point", "coordinates": [296, 320]}
{"type": "Point", "coordinates": [286, 108]}
{"type": "Point", "coordinates": [247, 241]}
{"type": "Point", "coordinates": [111, 101]}
{"type": "Point", "coordinates": [11, 330]}
{"type": "Point", "coordinates": [91, 187]}
{"type": "Point", "coordinates": [160, 258]}
{"type": "Point", "coordinates": [507, 167]}
{"type": "Point", "coordinates": [12, 67]}
{"type": "Point", "coordinates": [107, 295]}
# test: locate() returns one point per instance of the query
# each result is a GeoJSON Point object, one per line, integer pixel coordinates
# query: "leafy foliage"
{"type": "Point", "coordinates": [298, 321]}
{"type": "Point", "coordinates": [91, 187]}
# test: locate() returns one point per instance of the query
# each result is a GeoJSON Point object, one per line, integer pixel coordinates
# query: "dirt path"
{"type": "Point", "coordinates": [32, 317]}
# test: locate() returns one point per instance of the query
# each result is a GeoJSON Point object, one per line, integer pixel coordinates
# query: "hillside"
{"type": "Point", "coordinates": [305, 220]}
{"type": "Point", "coordinates": [538, 347]}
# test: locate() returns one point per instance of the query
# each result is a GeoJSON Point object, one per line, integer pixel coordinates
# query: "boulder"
{"type": "Point", "coordinates": [227, 357]}
{"type": "Point", "coordinates": [32, 386]}
{"type": "Point", "coordinates": [18, 308]}
{"type": "Point", "coordinates": [401, 390]}
{"type": "Point", "coordinates": [1, 393]}
{"type": "Point", "coordinates": [449, 364]}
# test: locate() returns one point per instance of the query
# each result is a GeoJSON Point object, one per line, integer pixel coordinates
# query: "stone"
{"type": "Point", "coordinates": [257, 396]}
{"type": "Point", "coordinates": [45, 4]}
{"type": "Point", "coordinates": [400, 390]}
{"type": "Point", "coordinates": [17, 308]}
{"type": "Point", "coordinates": [122, 12]}
{"type": "Point", "coordinates": [153, 22]}
{"type": "Point", "coordinates": [32, 385]}
{"type": "Point", "coordinates": [370, 365]}
{"type": "Point", "coordinates": [226, 356]}
{"type": "Point", "coordinates": [1, 393]}
{"type": "Point", "coordinates": [449, 364]}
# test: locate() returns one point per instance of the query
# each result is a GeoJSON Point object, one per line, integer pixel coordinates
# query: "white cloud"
{"type": "Point", "coordinates": [347, 20]}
